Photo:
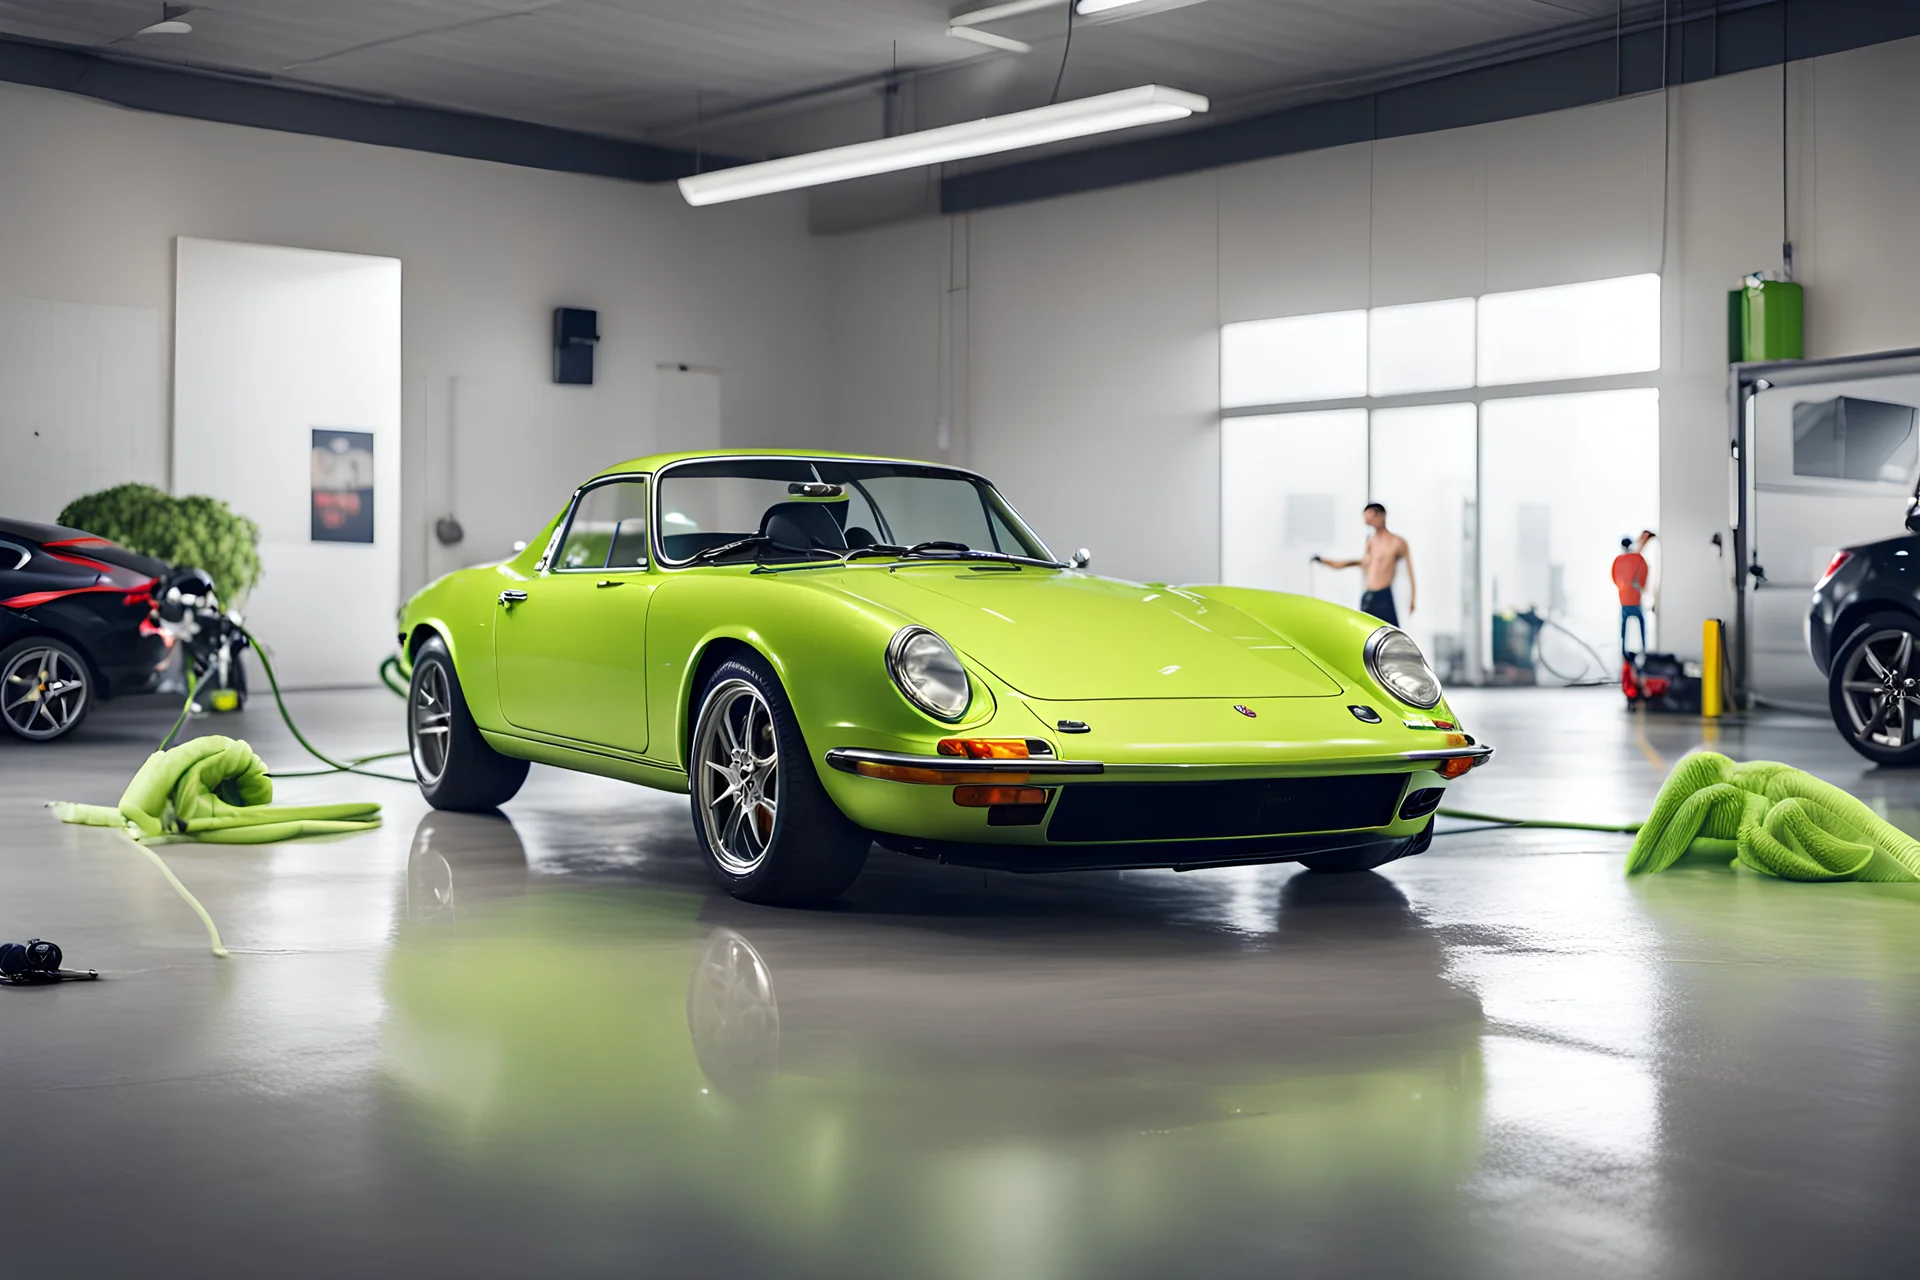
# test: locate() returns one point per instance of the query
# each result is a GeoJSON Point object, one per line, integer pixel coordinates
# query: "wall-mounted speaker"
{"type": "Point", "coordinates": [575, 331]}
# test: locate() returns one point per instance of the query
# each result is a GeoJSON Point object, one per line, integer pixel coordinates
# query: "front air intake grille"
{"type": "Point", "coordinates": [1112, 813]}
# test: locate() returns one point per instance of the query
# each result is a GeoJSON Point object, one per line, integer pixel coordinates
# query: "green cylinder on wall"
{"type": "Point", "coordinates": [1771, 321]}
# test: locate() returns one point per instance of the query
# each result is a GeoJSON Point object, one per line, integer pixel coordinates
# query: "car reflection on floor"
{"type": "Point", "coordinates": [892, 1094]}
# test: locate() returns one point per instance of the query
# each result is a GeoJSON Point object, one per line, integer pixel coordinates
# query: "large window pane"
{"type": "Point", "coordinates": [1570, 331]}
{"type": "Point", "coordinates": [1563, 479]}
{"type": "Point", "coordinates": [1422, 471]}
{"type": "Point", "coordinates": [1294, 358]}
{"type": "Point", "coordinates": [1291, 487]}
{"type": "Point", "coordinates": [1424, 346]}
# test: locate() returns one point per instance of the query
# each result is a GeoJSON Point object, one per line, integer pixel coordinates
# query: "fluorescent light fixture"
{"type": "Point", "coordinates": [1088, 8]}
{"type": "Point", "coordinates": [1005, 9]}
{"type": "Point", "coordinates": [1103, 113]}
{"type": "Point", "coordinates": [989, 39]}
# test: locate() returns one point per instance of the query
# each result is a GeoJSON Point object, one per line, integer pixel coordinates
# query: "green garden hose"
{"type": "Point", "coordinates": [333, 766]}
{"type": "Point", "coordinates": [1623, 828]}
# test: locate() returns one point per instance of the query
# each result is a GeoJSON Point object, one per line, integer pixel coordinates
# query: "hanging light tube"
{"type": "Point", "coordinates": [995, 12]}
{"type": "Point", "coordinates": [991, 39]}
{"type": "Point", "coordinates": [1103, 113]}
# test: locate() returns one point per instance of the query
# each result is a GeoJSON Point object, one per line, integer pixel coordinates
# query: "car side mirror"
{"type": "Point", "coordinates": [1080, 559]}
{"type": "Point", "coordinates": [1913, 516]}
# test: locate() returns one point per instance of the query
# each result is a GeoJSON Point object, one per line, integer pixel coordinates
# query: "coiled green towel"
{"type": "Point", "coordinates": [217, 790]}
{"type": "Point", "coordinates": [1772, 818]}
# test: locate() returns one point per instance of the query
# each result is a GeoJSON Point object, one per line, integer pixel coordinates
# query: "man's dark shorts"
{"type": "Point", "coordinates": [1380, 605]}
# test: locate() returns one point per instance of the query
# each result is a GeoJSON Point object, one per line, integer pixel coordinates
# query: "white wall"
{"type": "Point", "coordinates": [272, 343]}
{"type": "Point", "coordinates": [1091, 393]}
{"type": "Point", "coordinates": [82, 401]}
{"type": "Point", "coordinates": [885, 298]}
{"type": "Point", "coordinates": [92, 197]}
{"type": "Point", "coordinates": [1094, 373]}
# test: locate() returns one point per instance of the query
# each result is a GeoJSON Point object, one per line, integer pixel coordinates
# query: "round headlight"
{"type": "Point", "coordinates": [928, 672]}
{"type": "Point", "coordinates": [1395, 661]}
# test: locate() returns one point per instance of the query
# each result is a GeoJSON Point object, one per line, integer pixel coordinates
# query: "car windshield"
{"type": "Point", "coordinates": [793, 508]}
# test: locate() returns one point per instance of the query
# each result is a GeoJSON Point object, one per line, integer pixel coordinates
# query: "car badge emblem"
{"type": "Point", "coordinates": [1248, 712]}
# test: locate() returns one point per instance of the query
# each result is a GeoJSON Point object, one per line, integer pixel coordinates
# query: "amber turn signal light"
{"type": "Point", "coordinates": [978, 797]}
{"type": "Point", "coordinates": [986, 748]}
{"type": "Point", "coordinates": [1455, 766]}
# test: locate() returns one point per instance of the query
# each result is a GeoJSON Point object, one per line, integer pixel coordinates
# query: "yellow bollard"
{"type": "Point", "coordinates": [1710, 667]}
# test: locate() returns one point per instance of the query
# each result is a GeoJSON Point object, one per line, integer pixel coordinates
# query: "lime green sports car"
{"type": "Point", "coordinates": [830, 651]}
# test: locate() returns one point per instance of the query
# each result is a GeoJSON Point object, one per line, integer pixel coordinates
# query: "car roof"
{"type": "Point", "coordinates": [654, 461]}
{"type": "Point", "coordinates": [34, 531]}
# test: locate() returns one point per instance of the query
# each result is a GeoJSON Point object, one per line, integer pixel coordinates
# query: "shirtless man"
{"type": "Point", "coordinates": [1377, 564]}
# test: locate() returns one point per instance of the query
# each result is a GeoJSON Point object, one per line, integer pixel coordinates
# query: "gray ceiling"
{"type": "Point", "coordinates": [755, 68]}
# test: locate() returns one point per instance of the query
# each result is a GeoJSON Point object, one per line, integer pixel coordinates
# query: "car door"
{"type": "Point", "coordinates": [570, 657]}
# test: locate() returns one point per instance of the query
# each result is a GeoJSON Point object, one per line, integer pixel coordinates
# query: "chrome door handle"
{"type": "Point", "coordinates": [610, 582]}
{"type": "Point", "coordinates": [512, 597]}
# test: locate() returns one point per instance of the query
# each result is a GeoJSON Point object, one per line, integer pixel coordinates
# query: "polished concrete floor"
{"type": "Point", "coordinates": [542, 1045]}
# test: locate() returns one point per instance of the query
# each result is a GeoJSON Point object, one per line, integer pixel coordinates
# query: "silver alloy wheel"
{"type": "Point", "coordinates": [1881, 691]}
{"type": "Point", "coordinates": [737, 776]}
{"type": "Point", "coordinates": [42, 693]}
{"type": "Point", "coordinates": [430, 721]}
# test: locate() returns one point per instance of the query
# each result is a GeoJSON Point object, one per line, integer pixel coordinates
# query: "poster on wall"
{"type": "Point", "coordinates": [342, 463]}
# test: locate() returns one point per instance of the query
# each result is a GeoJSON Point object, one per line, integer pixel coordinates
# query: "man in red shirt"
{"type": "Point", "coordinates": [1630, 576]}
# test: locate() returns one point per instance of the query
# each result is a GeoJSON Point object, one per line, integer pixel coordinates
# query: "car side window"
{"type": "Point", "coordinates": [608, 530]}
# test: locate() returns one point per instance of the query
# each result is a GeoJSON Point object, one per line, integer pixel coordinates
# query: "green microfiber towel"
{"type": "Point", "coordinates": [217, 790]}
{"type": "Point", "coordinates": [1771, 818]}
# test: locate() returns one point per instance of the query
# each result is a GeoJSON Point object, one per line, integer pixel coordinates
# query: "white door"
{"type": "Point", "coordinates": [286, 405]}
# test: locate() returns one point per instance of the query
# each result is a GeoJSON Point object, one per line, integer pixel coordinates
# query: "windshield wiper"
{"type": "Point", "coordinates": [942, 550]}
{"type": "Point", "coordinates": [931, 552]}
{"type": "Point", "coordinates": [728, 548]}
{"type": "Point", "coordinates": [759, 541]}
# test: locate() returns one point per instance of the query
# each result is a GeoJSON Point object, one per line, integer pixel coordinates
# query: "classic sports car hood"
{"type": "Point", "coordinates": [1069, 636]}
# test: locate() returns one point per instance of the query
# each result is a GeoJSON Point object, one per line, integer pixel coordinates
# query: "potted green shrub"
{"type": "Point", "coordinates": [194, 532]}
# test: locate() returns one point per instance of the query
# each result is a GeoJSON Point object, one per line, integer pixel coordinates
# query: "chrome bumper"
{"type": "Point", "coordinates": [849, 760]}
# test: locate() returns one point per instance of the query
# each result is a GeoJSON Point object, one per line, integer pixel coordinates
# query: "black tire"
{"type": "Point", "coordinates": [46, 688]}
{"type": "Point", "coordinates": [1873, 690]}
{"type": "Point", "coordinates": [1367, 857]}
{"type": "Point", "coordinates": [467, 775]}
{"type": "Point", "coordinates": [770, 832]}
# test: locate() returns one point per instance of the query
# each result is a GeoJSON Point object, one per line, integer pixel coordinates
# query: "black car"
{"type": "Point", "coordinates": [77, 623]}
{"type": "Point", "coordinates": [1864, 635]}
